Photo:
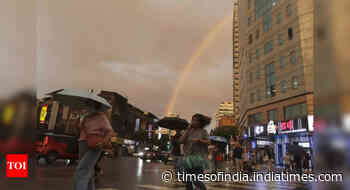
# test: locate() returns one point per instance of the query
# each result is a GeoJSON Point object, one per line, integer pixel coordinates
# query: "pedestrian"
{"type": "Point", "coordinates": [238, 157]}
{"type": "Point", "coordinates": [196, 141]}
{"type": "Point", "coordinates": [245, 159]}
{"type": "Point", "coordinates": [253, 159]}
{"type": "Point", "coordinates": [307, 162]}
{"type": "Point", "coordinates": [298, 157]}
{"type": "Point", "coordinates": [287, 161]}
{"type": "Point", "coordinates": [95, 128]}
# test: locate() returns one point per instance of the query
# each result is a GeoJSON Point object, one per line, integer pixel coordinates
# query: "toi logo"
{"type": "Point", "coordinates": [17, 165]}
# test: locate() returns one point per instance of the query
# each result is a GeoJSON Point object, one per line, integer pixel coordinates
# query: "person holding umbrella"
{"type": "Point", "coordinates": [196, 141]}
{"type": "Point", "coordinates": [96, 133]}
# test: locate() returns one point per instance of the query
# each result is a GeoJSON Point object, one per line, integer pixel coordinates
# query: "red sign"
{"type": "Point", "coordinates": [284, 126]}
{"type": "Point", "coordinates": [17, 165]}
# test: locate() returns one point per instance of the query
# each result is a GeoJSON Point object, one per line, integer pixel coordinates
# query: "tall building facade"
{"type": "Point", "coordinates": [235, 73]}
{"type": "Point", "coordinates": [276, 55]}
{"type": "Point", "coordinates": [225, 110]}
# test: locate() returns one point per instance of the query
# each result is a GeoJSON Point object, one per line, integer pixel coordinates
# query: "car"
{"type": "Point", "coordinates": [57, 146]}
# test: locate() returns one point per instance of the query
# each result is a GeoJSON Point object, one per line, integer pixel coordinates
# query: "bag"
{"type": "Point", "coordinates": [94, 141]}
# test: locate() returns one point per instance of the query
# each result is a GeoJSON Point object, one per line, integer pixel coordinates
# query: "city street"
{"type": "Point", "coordinates": [128, 173]}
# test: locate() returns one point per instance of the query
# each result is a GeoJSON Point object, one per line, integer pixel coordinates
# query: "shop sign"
{"type": "Point", "coordinates": [263, 143]}
{"type": "Point", "coordinates": [259, 130]}
{"type": "Point", "coordinates": [43, 114]}
{"type": "Point", "coordinates": [304, 144]}
{"type": "Point", "coordinates": [310, 120]}
{"type": "Point", "coordinates": [271, 127]}
{"type": "Point", "coordinates": [286, 126]}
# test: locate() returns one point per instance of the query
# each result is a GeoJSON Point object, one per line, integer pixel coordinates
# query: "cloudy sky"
{"type": "Point", "coordinates": [138, 48]}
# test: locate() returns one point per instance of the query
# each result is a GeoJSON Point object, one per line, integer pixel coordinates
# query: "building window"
{"type": "Point", "coordinates": [293, 57]}
{"type": "Point", "coordinates": [255, 119]}
{"type": "Point", "coordinates": [278, 18]}
{"type": "Point", "coordinates": [267, 21]}
{"type": "Point", "coordinates": [290, 33]}
{"type": "Point", "coordinates": [250, 39]}
{"type": "Point", "coordinates": [257, 53]}
{"type": "Point", "coordinates": [250, 58]}
{"type": "Point", "coordinates": [282, 61]}
{"type": "Point", "coordinates": [258, 73]}
{"type": "Point", "coordinates": [295, 82]}
{"type": "Point", "coordinates": [270, 80]}
{"type": "Point", "coordinates": [259, 94]}
{"type": "Point", "coordinates": [252, 99]}
{"type": "Point", "coordinates": [295, 111]}
{"type": "Point", "coordinates": [257, 34]}
{"type": "Point", "coordinates": [249, 20]}
{"type": "Point", "coordinates": [272, 115]}
{"type": "Point", "coordinates": [250, 77]}
{"type": "Point", "coordinates": [289, 10]}
{"type": "Point", "coordinates": [284, 86]}
{"type": "Point", "coordinates": [268, 47]}
{"type": "Point", "coordinates": [280, 39]}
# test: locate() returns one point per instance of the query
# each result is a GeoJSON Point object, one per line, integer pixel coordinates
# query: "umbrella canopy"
{"type": "Point", "coordinates": [80, 99]}
{"type": "Point", "coordinates": [173, 123]}
{"type": "Point", "coordinates": [218, 139]}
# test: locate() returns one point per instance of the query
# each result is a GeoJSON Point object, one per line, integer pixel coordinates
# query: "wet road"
{"type": "Point", "coordinates": [131, 174]}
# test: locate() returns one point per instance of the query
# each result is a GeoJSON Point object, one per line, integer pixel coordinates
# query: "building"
{"type": "Point", "coordinates": [173, 115]}
{"type": "Point", "coordinates": [125, 118]}
{"type": "Point", "coordinates": [225, 109]}
{"type": "Point", "coordinates": [235, 70]}
{"type": "Point", "coordinates": [226, 121]}
{"type": "Point", "coordinates": [276, 55]}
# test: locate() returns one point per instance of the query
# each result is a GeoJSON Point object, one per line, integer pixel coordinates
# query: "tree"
{"type": "Point", "coordinates": [141, 135]}
{"type": "Point", "coordinates": [226, 131]}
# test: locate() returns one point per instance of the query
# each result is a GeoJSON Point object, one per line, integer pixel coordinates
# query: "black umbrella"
{"type": "Point", "coordinates": [173, 123]}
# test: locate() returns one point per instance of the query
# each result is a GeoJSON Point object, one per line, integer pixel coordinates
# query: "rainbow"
{"type": "Point", "coordinates": [209, 38]}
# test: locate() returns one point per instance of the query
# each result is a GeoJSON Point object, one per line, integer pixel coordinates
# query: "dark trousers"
{"type": "Point", "coordinates": [197, 183]}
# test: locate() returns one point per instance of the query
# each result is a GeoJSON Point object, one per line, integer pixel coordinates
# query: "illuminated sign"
{"type": "Point", "coordinates": [8, 114]}
{"type": "Point", "coordinates": [286, 126]}
{"type": "Point", "coordinates": [258, 130]}
{"type": "Point", "coordinates": [304, 144]}
{"type": "Point", "coordinates": [310, 120]}
{"type": "Point", "coordinates": [271, 127]}
{"type": "Point", "coordinates": [43, 114]}
{"type": "Point", "coordinates": [263, 143]}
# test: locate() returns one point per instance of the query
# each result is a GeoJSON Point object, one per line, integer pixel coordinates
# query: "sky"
{"type": "Point", "coordinates": [137, 48]}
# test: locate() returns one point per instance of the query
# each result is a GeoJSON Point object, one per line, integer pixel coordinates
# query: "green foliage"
{"type": "Point", "coordinates": [225, 131]}
{"type": "Point", "coordinates": [141, 135]}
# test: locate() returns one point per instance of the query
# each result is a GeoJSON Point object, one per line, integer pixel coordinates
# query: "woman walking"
{"type": "Point", "coordinates": [196, 141]}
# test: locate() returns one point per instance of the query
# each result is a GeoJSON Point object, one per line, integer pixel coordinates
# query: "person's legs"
{"type": "Point", "coordinates": [198, 184]}
{"type": "Point", "coordinates": [83, 177]}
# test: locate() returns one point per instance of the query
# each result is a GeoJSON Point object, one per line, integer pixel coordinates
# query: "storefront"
{"type": "Point", "coordinates": [257, 138]}
{"type": "Point", "coordinates": [289, 132]}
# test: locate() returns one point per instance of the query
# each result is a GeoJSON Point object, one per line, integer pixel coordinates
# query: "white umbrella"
{"type": "Point", "coordinates": [80, 99]}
